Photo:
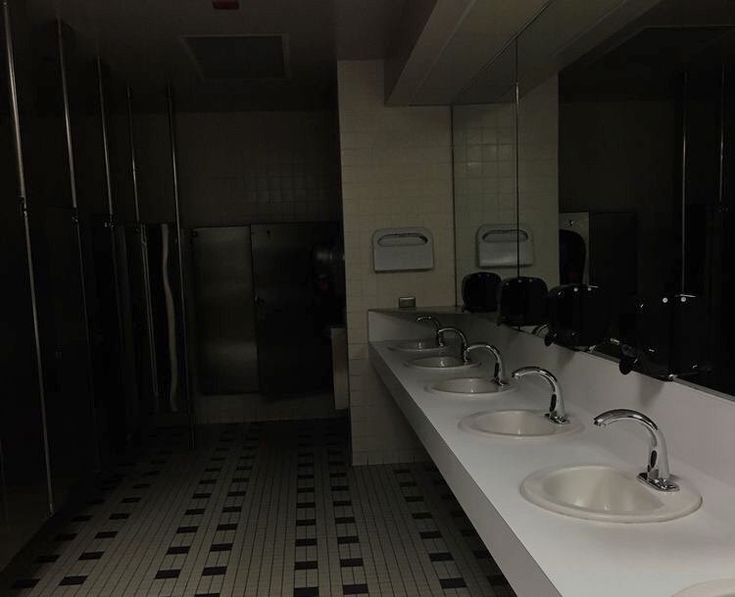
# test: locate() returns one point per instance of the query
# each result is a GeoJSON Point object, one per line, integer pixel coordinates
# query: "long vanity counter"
{"type": "Point", "coordinates": [543, 553]}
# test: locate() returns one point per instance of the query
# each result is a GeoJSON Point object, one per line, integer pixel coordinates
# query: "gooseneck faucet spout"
{"type": "Point", "coordinates": [657, 473]}
{"type": "Point", "coordinates": [499, 375]}
{"type": "Point", "coordinates": [557, 413]}
{"type": "Point", "coordinates": [434, 322]}
{"type": "Point", "coordinates": [462, 340]}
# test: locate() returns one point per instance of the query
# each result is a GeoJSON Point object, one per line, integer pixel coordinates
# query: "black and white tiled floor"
{"type": "Point", "coordinates": [263, 510]}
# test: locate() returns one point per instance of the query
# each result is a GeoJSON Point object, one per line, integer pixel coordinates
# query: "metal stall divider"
{"type": "Point", "coordinates": [23, 200]}
{"type": "Point", "coordinates": [78, 235]}
{"type": "Point", "coordinates": [146, 272]}
{"type": "Point", "coordinates": [185, 385]}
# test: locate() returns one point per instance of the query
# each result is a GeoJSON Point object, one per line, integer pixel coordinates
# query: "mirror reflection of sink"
{"type": "Point", "coordinates": [425, 345]}
{"type": "Point", "coordinates": [607, 494]}
{"type": "Point", "coordinates": [442, 363]}
{"type": "Point", "coordinates": [715, 588]}
{"type": "Point", "coordinates": [477, 387]}
{"type": "Point", "coordinates": [516, 424]}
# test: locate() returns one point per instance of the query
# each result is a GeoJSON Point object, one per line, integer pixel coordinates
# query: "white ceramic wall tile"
{"type": "Point", "coordinates": [396, 171]}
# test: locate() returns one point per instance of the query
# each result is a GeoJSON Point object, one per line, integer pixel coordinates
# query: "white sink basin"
{"type": "Point", "coordinates": [515, 424]}
{"type": "Point", "coordinates": [604, 493]}
{"type": "Point", "coordinates": [715, 588]}
{"type": "Point", "coordinates": [476, 387]}
{"type": "Point", "coordinates": [425, 345]}
{"type": "Point", "coordinates": [441, 363]}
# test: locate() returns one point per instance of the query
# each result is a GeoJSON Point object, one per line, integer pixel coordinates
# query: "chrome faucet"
{"type": "Point", "coordinates": [557, 413]}
{"type": "Point", "coordinates": [462, 341]}
{"type": "Point", "coordinates": [437, 326]}
{"type": "Point", "coordinates": [657, 473]}
{"type": "Point", "coordinates": [499, 376]}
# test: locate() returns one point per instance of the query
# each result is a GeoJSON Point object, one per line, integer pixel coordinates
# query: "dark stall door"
{"type": "Point", "coordinates": [69, 402]}
{"type": "Point", "coordinates": [223, 293]}
{"type": "Point", "coordinates": [294, 307]}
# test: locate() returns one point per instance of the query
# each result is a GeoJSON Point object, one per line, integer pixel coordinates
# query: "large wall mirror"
{"type": "Point", "coordinates": [644, 180]}
{"type": "Point", "coordinates": [623, 174]}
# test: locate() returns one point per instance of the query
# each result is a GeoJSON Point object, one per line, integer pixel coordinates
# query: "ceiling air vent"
{"type": "Point", "coordinates": [239, 56]}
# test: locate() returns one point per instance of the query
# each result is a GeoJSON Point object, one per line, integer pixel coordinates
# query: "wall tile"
{"type": "Point", "coordinates": [396, 171]}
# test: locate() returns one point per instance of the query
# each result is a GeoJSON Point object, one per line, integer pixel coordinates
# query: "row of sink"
{"type": "Point", "coordinates": [591, 492]}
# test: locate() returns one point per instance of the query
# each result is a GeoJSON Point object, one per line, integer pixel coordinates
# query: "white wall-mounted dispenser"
{"type": "Point", "coordinates": [403, 249]}
{"type": "Point", "coordinates": [504, 245]}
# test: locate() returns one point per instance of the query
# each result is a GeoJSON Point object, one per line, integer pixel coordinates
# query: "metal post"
{"type": "Point", "coordinates": [682, 284]}
{"type": "Point", "coordinates": [110, 222]}
{"type": "Point", "coordinates": [144, 256]}
{"type": "Point", "coordinates": [78, 233]}
{"type": "Point", "coordinates": [179, 245]}
{"type": "Point", "coordinates": [516, 117]}
{"type": "Point", "coordinates": [23, 199]}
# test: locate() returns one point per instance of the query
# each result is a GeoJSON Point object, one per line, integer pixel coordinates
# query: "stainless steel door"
{"type": "Point", "coordinates": [225, 317]}
{"type": "Point", "coordinates": [295, 307]}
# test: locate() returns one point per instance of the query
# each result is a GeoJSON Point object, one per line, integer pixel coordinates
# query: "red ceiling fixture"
{"type": "Point", "coordinates": [225, 4]}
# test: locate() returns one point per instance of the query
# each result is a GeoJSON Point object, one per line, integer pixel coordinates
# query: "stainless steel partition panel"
{"type": "Point", "coordinates": [89, 416]}
{"type": "Point", "coordinates": [149, 343]}
{"type": "Point", "coordinates": [225, 314]}
{"type": "Point", "coordinates": [185, 377]}
{"type": "Point", "coordinates": [295, 307]}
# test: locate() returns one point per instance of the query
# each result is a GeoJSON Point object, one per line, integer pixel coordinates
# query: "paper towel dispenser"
{"type": "Point", "coordinates": [402, 249]}
{"type": "Point", "coordinates": [504, 245]}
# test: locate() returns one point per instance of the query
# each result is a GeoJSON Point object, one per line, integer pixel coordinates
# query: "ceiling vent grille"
{"type": "Point", "coordinates": [248, 57]}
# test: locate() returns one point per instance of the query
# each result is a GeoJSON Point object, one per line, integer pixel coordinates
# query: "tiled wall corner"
{"type": "Point", "coordinates": [484, 174]}
{"type": "Point", "coordinates": [396, 171]}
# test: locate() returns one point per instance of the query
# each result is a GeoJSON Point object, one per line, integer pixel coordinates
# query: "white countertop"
{"type": "Point", "coordinates": [575, 558]}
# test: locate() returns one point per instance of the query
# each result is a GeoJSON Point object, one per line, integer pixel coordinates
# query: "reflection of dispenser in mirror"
{"type": "Point", "coordinates": [480, 292]}
{"type": "Point", "coordinates": [579, 316]}
{"type": "Point", "coordinates": [664, 337]}
{"type": "Point", "coordinates": [522, 301]}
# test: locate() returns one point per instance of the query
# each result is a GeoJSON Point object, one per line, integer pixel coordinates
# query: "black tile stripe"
{"type": "Point", "coordinates": [91, 555]}
{"type": "Point", "coordinates": [452, 583]}
{"type": "Point", "coordinates": [230, 526]}
{"type": "Point", "coordinates": [25, 583]}
{"type": "Point", "coordinates": [443, 556]}
{"type": "Point", "coordinates": [177, 550]}
{"type": "Point", "coordinates": [72, 580]}
{"type": "Point", "coordinates": [214, 571]}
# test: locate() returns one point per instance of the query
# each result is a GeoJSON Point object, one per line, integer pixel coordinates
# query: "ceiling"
{"type": "Point", "coordinates": [142, 42]}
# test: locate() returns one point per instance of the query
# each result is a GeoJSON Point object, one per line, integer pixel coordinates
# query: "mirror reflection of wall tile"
{"type": "Point", "coordinates": [538, 176]}
{"type": "Point", "coordinates": [485, 182]}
